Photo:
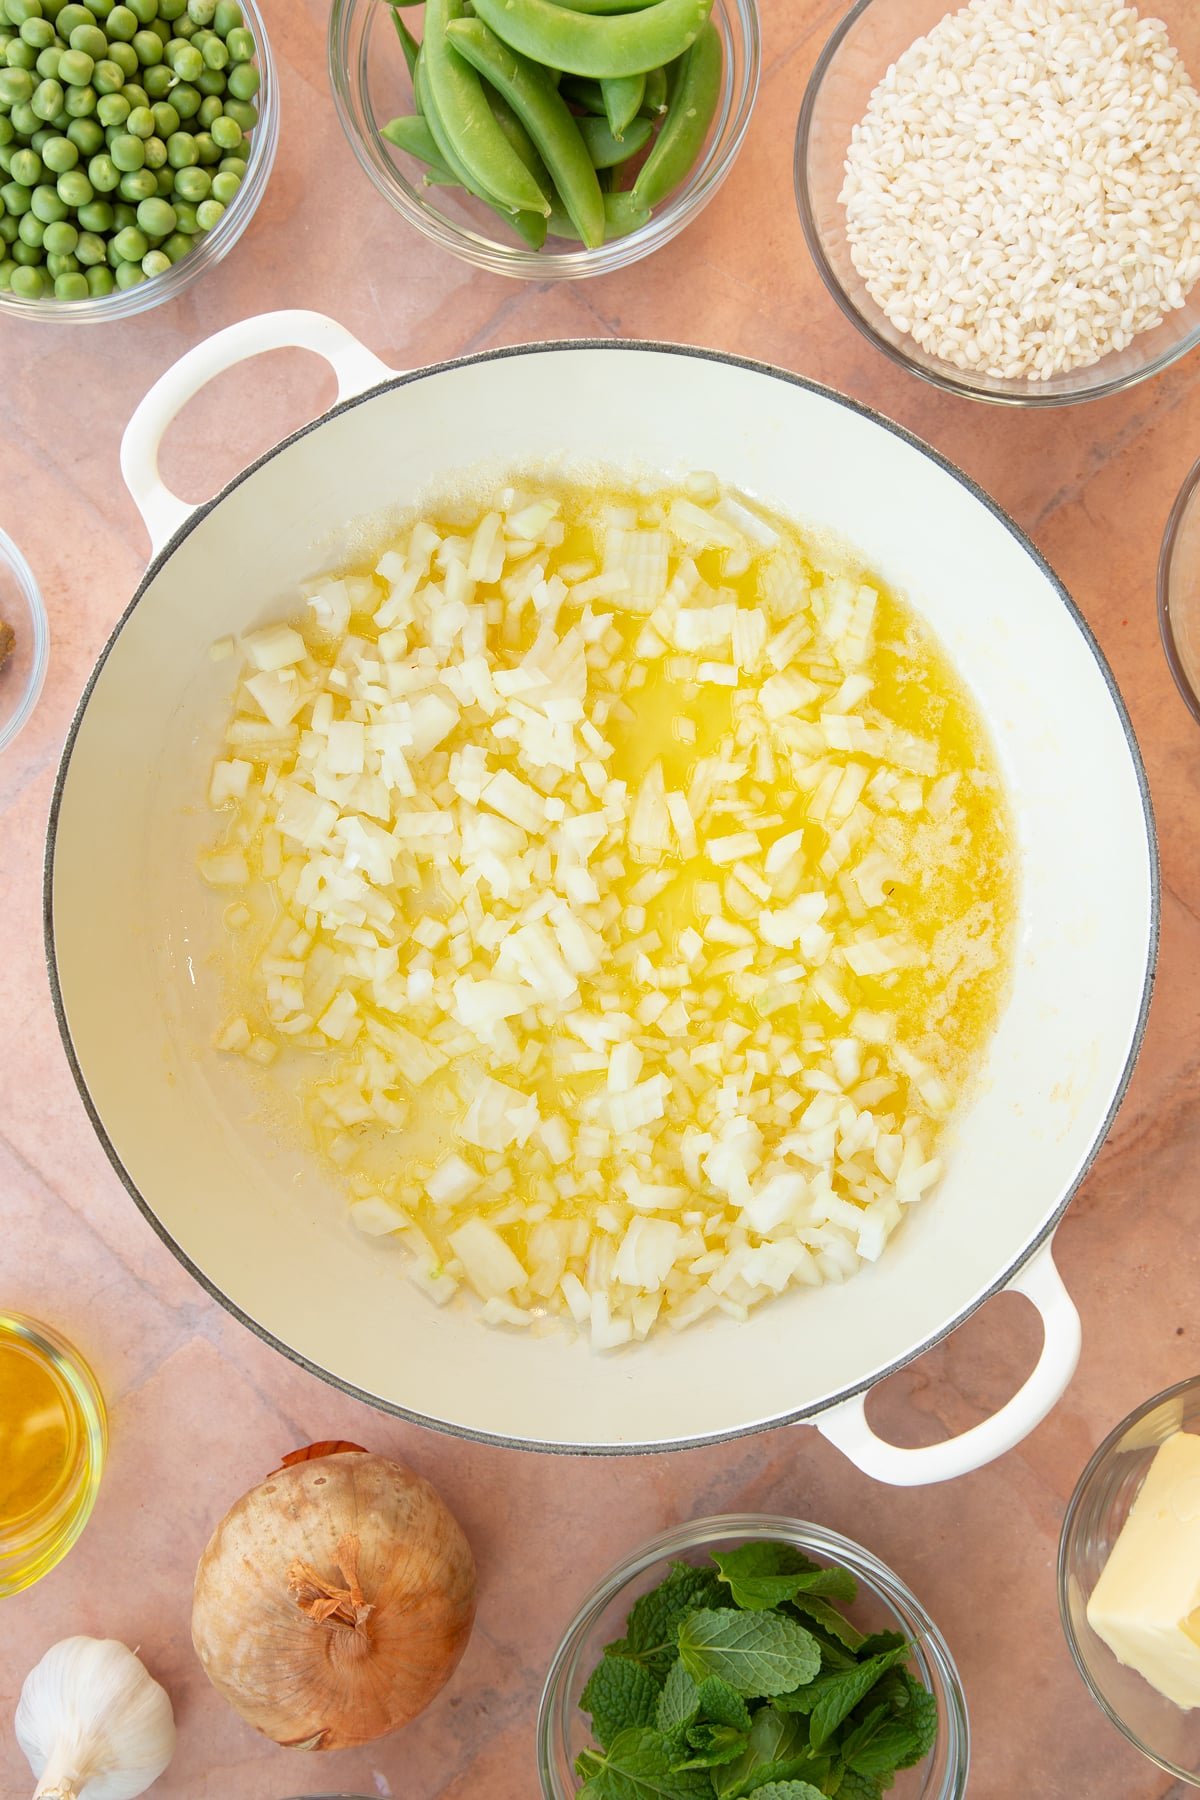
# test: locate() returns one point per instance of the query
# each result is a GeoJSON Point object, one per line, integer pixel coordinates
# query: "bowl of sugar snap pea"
{"type": "Point", "coordinates": [136, 141]}
{"type": "Point", "coordinates": [542, 140]}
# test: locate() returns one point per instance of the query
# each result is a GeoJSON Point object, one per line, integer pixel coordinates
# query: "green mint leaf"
{"type": "Point", "coordinates": [637, 1766]}
{"type": "Point", "coordinates": [836, 1696]}
{"type": "Point", "coordinates": [619, 1693]}
{"type": "Point", "coordinates": [764, 1559]}
{"type": "Point", "coordinates": [723, 1704]}
{"type": "Point", "coordinates": [880, 1641]}
{"type": "Point", "coordinates": [854, 1786]}
{"type": "Point", "coordinates": [830, 1620]}
{"type": "Point", "coordinates": [773, 1739]}
{"type": "Point", "coordinates": [760, 1576]}
{"type": "Point", "coordinates": [756, 1653]}
{"type": "Point", "coordinates": [711, 1745]}
{"type": "Point", "coordinates": [788, 1790]}
{"type": "Point", "coordinates": [896, 1735]}
{"type": "Point", "coordinates": [651, 1626]}
{"type": "Point", "coordinates": [679, 1702]}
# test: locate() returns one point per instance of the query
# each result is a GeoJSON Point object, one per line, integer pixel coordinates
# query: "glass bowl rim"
{"type": "Point", "coordinates": [1189, 1384]}
{"type": "Point", "coordinates": [13, 559]}
{"type": "Point", "coordinates": [212, 248]}
{"type": "Point", "coordinates": [514, 260]}
{"type": "Point", "coordinates": [1166, 571]}
{"type": "Point", "coordinates": [953, 1716]}
{"type": "Point", "coordinates": [938, 375]}
{"type": "Point", "coordinates": [59, 1527]}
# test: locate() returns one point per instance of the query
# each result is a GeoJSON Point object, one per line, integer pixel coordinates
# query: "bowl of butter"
{"type": "Point", "coordinates": [1129, 1578]}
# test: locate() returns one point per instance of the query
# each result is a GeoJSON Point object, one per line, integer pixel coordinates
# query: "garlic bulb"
{"type": "Point", "coordinates": [334, 1600]}
{"type": "Point", "coordinates": [93, 1723]}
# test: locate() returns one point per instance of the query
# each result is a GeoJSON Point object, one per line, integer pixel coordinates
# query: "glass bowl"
{"type": "Point", "coordinates": [33, 1541]}
{"type": "Point", "coordinates": [212, 247]}
{"type": "Point", "coordinates": [883, 1604]}
{"type": "Point", "coordinates": [21, 608]}
{"type": "Point", "coordinates": [871, 36]}
{"type": "Point", "coordinates": [1179, 592]}
{"type": "Point", "coordinates": [1099, 1507]}
{"type": "Point", "coordinates": [371, 85]}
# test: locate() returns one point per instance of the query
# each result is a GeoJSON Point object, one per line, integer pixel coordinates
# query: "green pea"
{"type": "Point", "coordinates": [75, 68]}
{"type": "Point", "coordinates": [29, 283]}
{"type": "Point", "coordinates": [100, 9]}
{"type": "Point", "coordinates": [46, 205]}
{"type": "Point", "coordinates": [201, 12]}
{"type": "Point", "coordinates": [130, 244]}
{"type": "Point", "coordinates": [47, 63]}
{"type": "Point", "coordinates": [244, 81]}
{"type": "Point", "coordinates": [69, 17]}
{"type": "Point", "coordinates": [60, 238]}
{"type": "Point", "coordinates": [211, 82]}
{"type": "Point", "coordinates": [240, 44]}
{"type": "Point", "coordinates": [96, 216]}
{"type": "Point", "coordinates": [71, 287]}
{"type": "Point", "coordinates": [123, 215]}
{"type": "Point", "coordinates": [103, 174]}
{"type": "Point", "coordinates": [225, 187]}
{"type": "Point", "coordinates": [184, 29]}
{"type": "Point", "coordinates": [16, 85]}
{"type": "Point", "coordinates": [156, 218]}
{"type": "Point", "coordinates": [127, 151]}
{"type": "Point", "coordinates": [155, 262]}
{"type": "Point", "coordinates": [60, 265]}
{"type": "Point", "coordinates": [125, 57]}
{"type": "Point", "coordinates": [20, 55]}
{"type": "Point", "coordinates": [17, 11]}
{"type": "Point", "coordinates": [172, 10]}
{"type": "Point", "coordinates": [91, 41]}
{"type": "Point", "coordinates": [108, 77]}
{"type": "Point", "coordinates": [234, 165]}
{"type": "Point", "coordinates": [185, 216]}
{"type": "Point", "coordinates": [208, 214]}
{"type": "Point", "coordinates": [9, 229]}
{"type": "Point", "coordinates": [39, 34]}
{"type": "Point", "coordinates": [215, 54]}
{"type": "Point", "coordinates": [112, 109]}
{"type": "Point", "coordinates": [129, 274]}
{"type": "Point", "coordinates": [89, 249]}
{"type": "Point", "coordinates": [156, 153]}
{"type": "Point", "coordinates": [135, 94]}
{"type": "Point", "coordinates": [28, 255]}
{"type": "Point", "coordinates": [25, 121]}
{"type": "Point", "coordinates": [17, 199]}
{"type": "Point", "coordinates": [166, 119]}
{"type": "Point", "coordinates": [162, 31]}
{"type": "Point", "coordinates": [227, 133]}
{"type": "Point", "coordinates": [81, 102]}
{"type": "Point", "coordinates": [30, 229]}
{"type": "Point", "coordinates": [149, 48]}
{"type": "Point", "coordinates": [145, 10]}
{"type": "Point", "coordinates": [47, 99]}
{"type": "Point", "coordinates": [181, 150]}
{"type": "Point", "coordinates": [210, 109]}
{"type": "Point", "coordinates": [60, 154]}
{"type": "Point", "coordinates": [86, 135]}
{"type": "Point", "coordinates": [27, 168]}
{"type": "Point", "coordinates": [207, 151]}
{"type": "Point", "coordinates": [8, 269]}
{"type": "Point", "coordinates": [138, 185]}
{"type": "Point", "coordinates": [177, 246]}
{"type": "Point", "coordinates": [140, 123]}
{"type": "Point", "coordinates": [75, 189]}
{"type": "Point", "coordinates": [120, 25]}
{"type": "Point", "coordinates": [193, 184]}
{"type": "Point", "coordinates": [7, 152]}
{"type": "Point", "coordinates": [7, 134]}
{"type": "Point", "coordinates": [187, 100]}
{"type": "Point", "coordinates": [228, 17]}
{"type": "Point", "coordinates": [164, 180]}
{"type": "Point", "coordinates": [158, 81]}
{"type": "Point", "coordinates": [100, 282]}
{"type": "Point", "coordinates": [244, 112]}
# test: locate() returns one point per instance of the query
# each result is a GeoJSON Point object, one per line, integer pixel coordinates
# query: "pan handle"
{"type": "Point", "coordinates": [354, 365]}
{"type": "Point", "coordinates": [846, 1424]}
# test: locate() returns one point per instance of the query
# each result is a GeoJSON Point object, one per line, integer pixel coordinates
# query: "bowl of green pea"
{"type": "Point", "coordinates": [544, 141]}
{"type": "Point", "coordinates": [136, 141]}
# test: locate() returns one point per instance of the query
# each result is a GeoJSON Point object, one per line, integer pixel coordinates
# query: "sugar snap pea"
{"type": "Point", "coordinates": [412, 134]}
{"type": "Point", "coordinates": [458, 99]}
{"type": "Point", "coordinates": [695, 88]}
{"type": "Point", "coordinates": [607, 151]}
{"type": "Point", "coordinates": [623, 95]}
{"type": "Point", "coordinates": [655, 101]}
{"type": "Point", "coordinates": [589, 44]}
{"type": "Point", "coordinates": [622, 214]}
{"type": "Point", "coordinates": [408, 42]}
{"type": "Point", "coordinates": [529, 225]}
{"type": "Point", "coordinates": [581, 91]}
{"type": "Point", "coordinates": [543, 112]}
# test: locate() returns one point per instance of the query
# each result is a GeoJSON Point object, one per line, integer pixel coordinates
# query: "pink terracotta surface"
{"type": "Point", "coordinates": [200, 1408]}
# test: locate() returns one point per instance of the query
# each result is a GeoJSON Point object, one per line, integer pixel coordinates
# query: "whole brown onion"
{"type": "Point", "coordinates": [334, 1601]}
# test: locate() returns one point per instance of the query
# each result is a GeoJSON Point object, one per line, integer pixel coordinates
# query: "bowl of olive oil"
{"type": "Point", "coordinates": [53, 1439]}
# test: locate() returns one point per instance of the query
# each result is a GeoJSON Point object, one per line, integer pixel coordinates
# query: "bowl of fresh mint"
{"type": "Point", "coordinates": [745, 1656]}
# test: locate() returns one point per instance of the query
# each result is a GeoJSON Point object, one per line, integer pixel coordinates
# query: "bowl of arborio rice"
{"type": "Point", "coordinates": [1006, 198]}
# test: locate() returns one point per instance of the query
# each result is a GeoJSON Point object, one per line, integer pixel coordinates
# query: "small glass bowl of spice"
{"type": "Point", "coordinates": [713, 1645]}
{"type": "Point", "coordinates": [1179, 592]}
{"type": "Point", "coordinates": [1002, 197]}
{"type": "Point", "coordinates": [53, 1439]}
{"type": "Point", "coordinates": [24, 641]}
{"type": "Point", "coordinates": [1129, 1579]}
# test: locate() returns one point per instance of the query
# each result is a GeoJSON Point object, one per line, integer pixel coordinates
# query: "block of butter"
{"type": "Point", "coordinates": [1146, 1604]}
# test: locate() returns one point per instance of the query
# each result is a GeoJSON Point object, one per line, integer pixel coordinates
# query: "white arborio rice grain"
{"type": "Point", "coordinates": [1023, 194]}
